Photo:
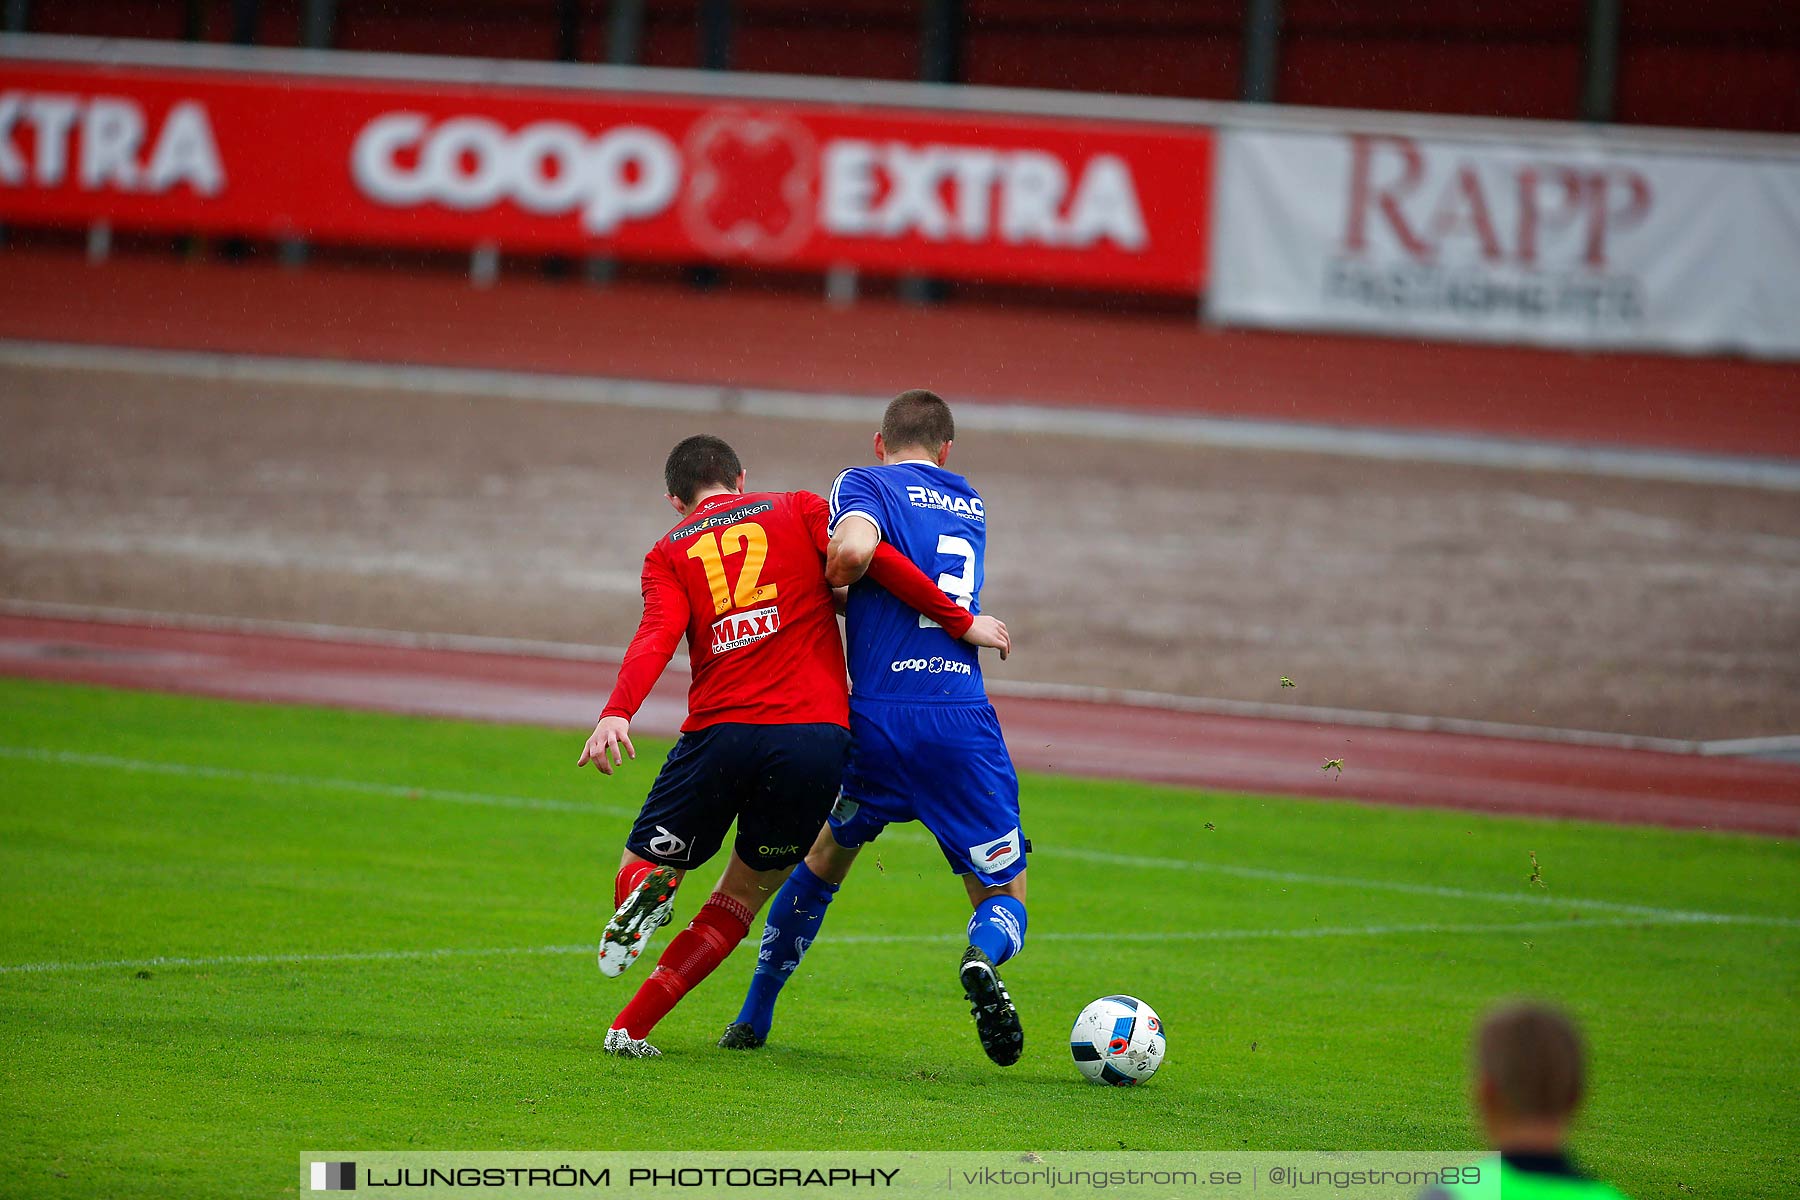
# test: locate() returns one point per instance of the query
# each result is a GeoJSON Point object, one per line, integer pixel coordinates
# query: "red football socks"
{"type": "Point", "coordinates": [629, 876]}
{"type": "Point", "coordinates": [714, 932]}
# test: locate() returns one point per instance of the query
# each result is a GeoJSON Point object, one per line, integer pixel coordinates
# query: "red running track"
{"type": "Point", "coordinates": [1154, 364]}
{"type": "Point", "coordinates": [1484, 774]}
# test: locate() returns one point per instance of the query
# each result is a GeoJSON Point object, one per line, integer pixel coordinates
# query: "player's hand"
{"type": "Point", "coordinates": [990, 632]}
{"type": "Point", "coordinates": [603, 745]}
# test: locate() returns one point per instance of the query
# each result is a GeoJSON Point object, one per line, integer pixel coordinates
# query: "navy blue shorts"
{"type": "Point", "coordinates": [776, 781]}
{"type": "Point", "coordinates": [943, 765]}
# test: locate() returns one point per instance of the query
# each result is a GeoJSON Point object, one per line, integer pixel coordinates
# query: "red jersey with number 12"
{"type": "Point", "coordinates": [744, 577]}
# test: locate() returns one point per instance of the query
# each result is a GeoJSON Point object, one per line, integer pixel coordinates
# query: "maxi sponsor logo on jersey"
{"type": "Point", "coordinates": [935, 665]}
{"type": "Point", "coordinates": [740, 629]}
{"type": "Point", "coordinates": [968, 507]}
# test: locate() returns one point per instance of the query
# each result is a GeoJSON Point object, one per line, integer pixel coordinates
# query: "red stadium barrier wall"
{"type": "Point", "coordinates": [987, 197]}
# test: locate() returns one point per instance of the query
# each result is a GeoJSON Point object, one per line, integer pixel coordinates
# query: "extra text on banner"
{"type": "Point", "coordinates": [1011, 199]}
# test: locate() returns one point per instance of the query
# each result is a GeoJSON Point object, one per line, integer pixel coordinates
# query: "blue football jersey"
{"type": "Point", "coordinates": [935, 518]}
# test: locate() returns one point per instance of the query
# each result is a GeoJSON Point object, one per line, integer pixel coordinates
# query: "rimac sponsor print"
{"type": "Point", "coordinates": [968, 507]}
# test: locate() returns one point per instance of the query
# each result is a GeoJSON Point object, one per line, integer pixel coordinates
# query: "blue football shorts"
{"type": "Point", "coordinates": [944, 765]}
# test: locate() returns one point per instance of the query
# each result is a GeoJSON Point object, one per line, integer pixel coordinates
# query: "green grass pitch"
{"type": "Point", "coordinates": [388, 925]}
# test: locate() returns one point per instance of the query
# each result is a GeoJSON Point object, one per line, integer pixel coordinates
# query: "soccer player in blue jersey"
{"type": "Point", "coordinates": [926, 745]}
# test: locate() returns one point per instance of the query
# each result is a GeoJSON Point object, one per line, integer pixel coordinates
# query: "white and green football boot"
{"type": "Point", "coordinates": [648, 908]}
{"type": "Point", "coordinates": [620, 1044]}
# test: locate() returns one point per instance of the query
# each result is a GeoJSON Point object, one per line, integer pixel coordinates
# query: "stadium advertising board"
{"type": "Point", "coordinates": [808, 186]}
{"type": "Point", "coordinates": [1560, 242]}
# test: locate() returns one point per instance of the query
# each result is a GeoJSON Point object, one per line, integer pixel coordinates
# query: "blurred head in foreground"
{"type": "Point", "coordinates": [1529, 1077]}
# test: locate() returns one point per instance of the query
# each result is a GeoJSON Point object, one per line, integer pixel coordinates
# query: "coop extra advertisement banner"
{"type": "Point", "coordinates": [1009, 199]}
{"type": "Point", "coordinates": [1559, 242]}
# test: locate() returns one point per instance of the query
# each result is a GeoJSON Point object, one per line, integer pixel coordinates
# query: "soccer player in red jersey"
{"type": "Point", "coordinates": [766, 738]}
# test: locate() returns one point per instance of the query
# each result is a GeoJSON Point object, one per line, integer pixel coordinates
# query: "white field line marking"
{"type": "Point", "coordinates": [853, 939]}
{"type": "Point", "coordinates": [1004, 688]}
{"type": "Point", "coordinates": [1037, 420]}
{"type": "Point", "coordinates": [107, 762]}
{"type": "Point", "coordinates": [1535, 899]}
{"type": "Point", "coordinates": [1261, 874]}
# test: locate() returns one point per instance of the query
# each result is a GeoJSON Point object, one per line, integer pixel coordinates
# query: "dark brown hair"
{"type": "Point", "coordinates": [1532, 1055]}
{"type": "Point", "coordinates": [698, 462]}
{"type": "Point", "coordinates": [917, 418]}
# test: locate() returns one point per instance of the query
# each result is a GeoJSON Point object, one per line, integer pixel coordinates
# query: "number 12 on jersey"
{"type": "Point", "coordinates": [746, 538]}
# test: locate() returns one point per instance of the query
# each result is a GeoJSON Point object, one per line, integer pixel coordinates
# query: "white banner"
{"type": "Point", "coordinates": [1557, 242]}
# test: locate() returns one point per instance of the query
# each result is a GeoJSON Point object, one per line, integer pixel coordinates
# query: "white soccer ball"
{"type": "Point", "coordinates": [1117, 1040]}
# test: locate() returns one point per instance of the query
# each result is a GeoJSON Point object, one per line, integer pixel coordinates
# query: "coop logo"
{"type": "Point", "coordinates": [935, 665]}
{"type": "Point", "coordinates": [1431, 203]}
{"type": "Point", "coordinates": [741, 629]}
{"type": "Point", "coordinates": [334, 1177]}
{"type": "Point", "coordinates": [754, 184]}
{"type": "Point", "coordinates": [969, 507]}
{"type": "Point", "coordinates": [996, 855]}
{"type": "Point", "coordinates": [550, 168]}
{"type": "Point", "coordinates": [106, 143]}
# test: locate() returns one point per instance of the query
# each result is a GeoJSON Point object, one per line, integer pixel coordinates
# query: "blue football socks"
{"type": "Point", "coordinates": [793, 922]}
{"type": "Point", "coordinates": [998, 928]}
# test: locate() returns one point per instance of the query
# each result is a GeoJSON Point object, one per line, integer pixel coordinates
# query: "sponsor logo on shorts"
{"type": "Point", "coordinates": [935, 665]}
{"type": "Point", "coordinates": [740, 629]}
{"type": "Point", "coordinates": [968, 507]}
{"type": "Point", "coordinates": [844, 809]}
{"type": "Point", "coordinates": [667, 845]}
{"type": "Point", "coordinates": [774, 851]}
{"type": "Point", "coordinates": [996, 855]}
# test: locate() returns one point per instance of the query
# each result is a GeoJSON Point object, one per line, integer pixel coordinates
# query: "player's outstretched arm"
{"type": "Point", "coordinates": [665, 619]}
{"type": "Point", "coordinates": [857, 548]}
